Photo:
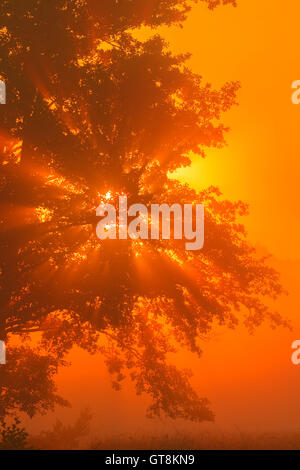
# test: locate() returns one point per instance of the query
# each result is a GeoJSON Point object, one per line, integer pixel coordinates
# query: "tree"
{"type": "Point", "coordinates": [27, 382]}
{"type": "Point", "coordinates": [94, 113]}
{"type": "Point", "coordinates": [13, 437]}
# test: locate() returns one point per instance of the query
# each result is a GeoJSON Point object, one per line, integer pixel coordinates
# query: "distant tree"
{"type": "Point", "coordinates": [95, 113]}
{"type": "Point", "coordinates": [64, 437]}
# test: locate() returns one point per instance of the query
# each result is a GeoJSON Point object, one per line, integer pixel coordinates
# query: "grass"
{"type": "Point", "coordinates": [203, 441]}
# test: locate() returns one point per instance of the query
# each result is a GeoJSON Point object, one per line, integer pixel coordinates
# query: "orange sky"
{"type": "Point", "coordinates": [257, 44]}
{"type": "Point", "coordinates": [249, 379]}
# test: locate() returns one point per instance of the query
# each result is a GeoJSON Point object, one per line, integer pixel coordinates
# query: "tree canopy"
{"type": "Point", "coordinates": [93, 113]}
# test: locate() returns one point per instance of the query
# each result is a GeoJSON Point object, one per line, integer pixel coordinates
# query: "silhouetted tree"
{"type": "Point", "coordinates": [13, 437]}
{"type": "Point", "coordinates": [91, 110]}
{"type": "Point", "coordinates": [64, 437]}
{"type": "Point", "coordinates": [27, 382]}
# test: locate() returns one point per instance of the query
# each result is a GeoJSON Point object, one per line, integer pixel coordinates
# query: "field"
{"type": "Point", "coordinates": [205, 441]}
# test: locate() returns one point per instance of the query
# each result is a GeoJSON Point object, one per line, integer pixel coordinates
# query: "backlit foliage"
{"type": "Point", "coordinates": [93, 113]}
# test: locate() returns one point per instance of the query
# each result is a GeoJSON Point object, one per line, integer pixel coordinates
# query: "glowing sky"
{"type": "Point", "coordinates": [257, 44]}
